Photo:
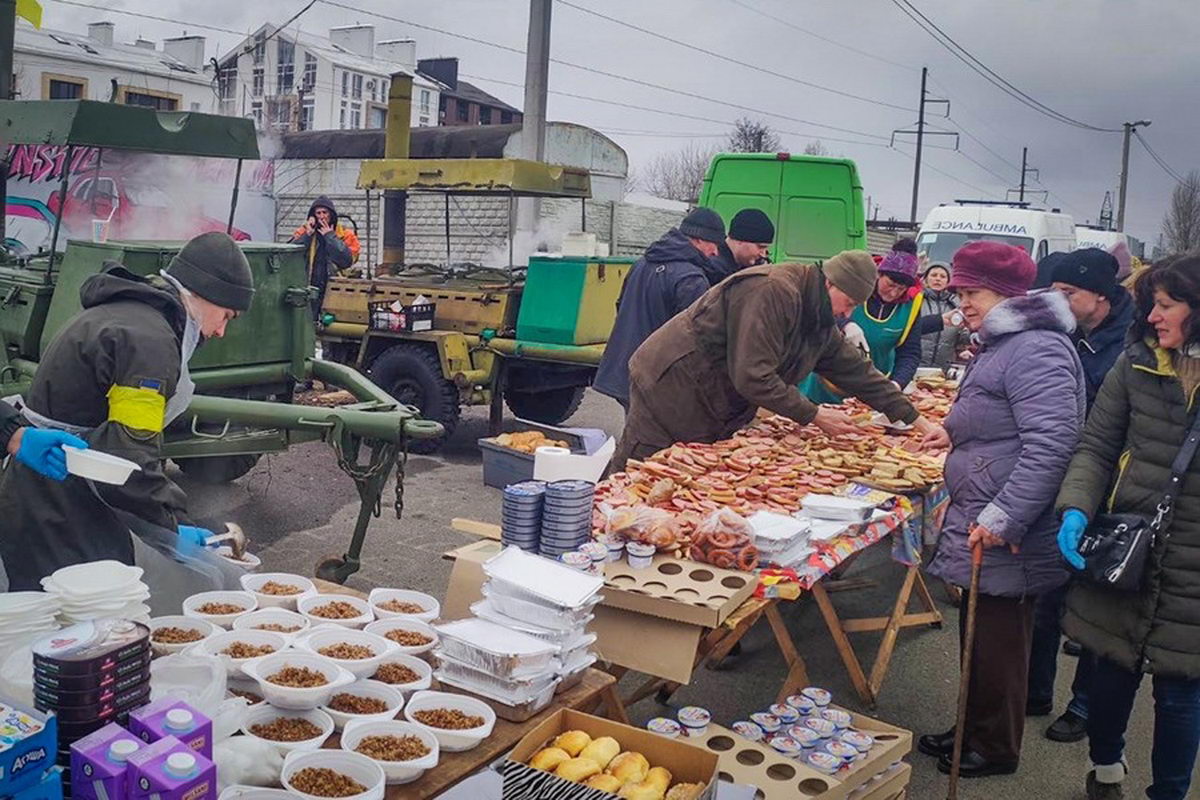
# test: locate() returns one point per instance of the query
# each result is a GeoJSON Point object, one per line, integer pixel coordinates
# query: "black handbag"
{"type": "Point", "coordinates": [1116, 547]}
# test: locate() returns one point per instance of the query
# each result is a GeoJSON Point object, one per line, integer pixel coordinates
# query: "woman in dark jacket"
{"type": "Point", "coordinates": [1013, 427]}
{"type": "Point", "coordinates": [1134, 430]}
{"type": "Point", "coordinates": [941, 347]}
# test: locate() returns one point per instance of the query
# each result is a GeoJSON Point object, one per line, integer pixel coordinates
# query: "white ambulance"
{"type": "Point", "coordinates": [1087, 236]}
{"type": "Point", "coordinates": [948, 228]}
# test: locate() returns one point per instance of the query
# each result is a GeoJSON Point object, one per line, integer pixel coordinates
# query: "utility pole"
{"type": "Point", "coordinates": [8, 31]}
{"type": "Point", "coordinates": [1129, 127]}
{"type": "Point", "coordinates": [921, 134]}
{"type": "Point", "coordinates": [1024, 161]}
{"type": "Point", "coordinates": [533, 121]}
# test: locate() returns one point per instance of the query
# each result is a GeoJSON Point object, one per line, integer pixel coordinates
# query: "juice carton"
{"type": "Point", "coordinates": [170, 716]}
{"type": "Point", "coordinates": [98, 763]}
{"type": "Point", "coordinates": [170, 770]}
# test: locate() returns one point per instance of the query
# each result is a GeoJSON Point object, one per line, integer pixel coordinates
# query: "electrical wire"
{"type": "Point", "coordinates": [729, 59]}
{"type": "Point", "coordinates": [1157, 158]}
{"type": "Point", "coordinates": [965, 56]}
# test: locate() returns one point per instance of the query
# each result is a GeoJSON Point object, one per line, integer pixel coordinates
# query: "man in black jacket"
{"type": "Point", "coordinates": [671, 276]}
{"type": "Point", "coordinates": [750, 236]}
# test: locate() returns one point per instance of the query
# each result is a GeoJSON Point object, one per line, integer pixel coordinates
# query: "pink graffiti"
{"type": "Point", "coordinates": [44, 162]}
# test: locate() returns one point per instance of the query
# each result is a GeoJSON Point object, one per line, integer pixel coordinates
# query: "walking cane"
{"type": "Point", "coordinates": [964, 683]}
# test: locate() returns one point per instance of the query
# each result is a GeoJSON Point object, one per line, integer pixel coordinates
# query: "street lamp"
{"type": "Point", "coordinates": [1130, 127]}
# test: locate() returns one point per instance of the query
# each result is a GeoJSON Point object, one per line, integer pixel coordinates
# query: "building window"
{"type": "Point", "coordinates": [377, 117]}
{"type": "Point", "coordinates": [279, 112]}
{"type": "Point", "coordinates": [227, 79]}
{"type": "Point", "coordinates": [356, 115]}
{"type": "Point", "coordinates": [461, 111]}
{"type": "Point", "coordinates": [424, 101]}
{"type": "Point", "coordinates": [372, 89]}
{"type": "Point", "coordinates": [342, 116]}
{"type": "Point", "coordinates": [260, 47]}
{"type": "Point", "coordinates": [356, 86]}
{"type": "Point", "coordinates": [383, 91]}
{"type": "Point", "coordinates": [256, 113]}
{"type": "Point", "coordinates": [285, 70]}
{"type": "Point", "coordinates": [61, 87]}
{"type": "Point", "coordinates": [307, 114]}
{"type": "Point", "coordinates": [257, 84]}
{"type": "Point", "coordinates": [505, 117]}
{"type": "Point", "coordinates": [423, 121]}
{"type": "Point", "coordinates": [159, 101]}
{"type": "Point", "coordinates": [345, 83]}
{"type": "Point", "coordinates": [310, 71]}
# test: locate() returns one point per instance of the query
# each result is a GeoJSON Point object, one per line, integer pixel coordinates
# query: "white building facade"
{"type": "Point", "coordinates": [296, 81]}
{"type": "Point", "coordinates": [60, 65]}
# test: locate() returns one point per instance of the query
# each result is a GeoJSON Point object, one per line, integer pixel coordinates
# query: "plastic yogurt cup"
{"type": "Point", "coordinates": [595, 551]}
{"type": "Point", "coordinates": [807, 737]}
{"type": "Point", "coordinates": [789, 747]}
{"type": "Point", "coordinates": [860, 741]}
{"type": "Point", "coordinates": [802, 704]}
{"type": "Point", "coordinates": [840, 719]}
{"type": "Point", "coordinates": [823, 727]}
{"type": "Point", "coordinates": [694, 717]}
{"type": "Point", "coordinates": [846, 752]}
{"type": "Point", "coordinates": [747, 730]}
{"type": "Point", "coordinates": [664, 727]}
{"type": "Point", "coordinates": [823, 762]}
{"type": "Point", "coordinates": [615, 550]}
{"type": "Point", "coordinates": [768, 722]}
{"type": "Point", "coordinates": [578, 560]}
{"type": "Point", "coordinates": [641, 555]}
{"type": "Point", "coordinates": [819, 696]}
{"type": "Point", "coordinates": [787, 715]}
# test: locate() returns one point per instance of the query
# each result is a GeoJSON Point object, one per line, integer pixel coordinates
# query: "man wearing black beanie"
{"type": "Point", "coordinates": [747, 245]}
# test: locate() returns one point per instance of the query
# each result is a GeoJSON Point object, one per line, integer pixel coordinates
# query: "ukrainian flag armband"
{"type": "Point", "coordinates": [139, 407]}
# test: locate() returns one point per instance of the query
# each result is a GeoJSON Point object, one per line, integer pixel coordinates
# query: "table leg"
{"type": "Point", "coordinates": [927, 599]}
{"type": "Point", "coordinates": [888, 645]}
{"type": "Point", "coordinates": [797, 674]}
{"type": "Point", "coordinates": [614, 708]}
{"type": "Point", "coordinates": [842, 643]}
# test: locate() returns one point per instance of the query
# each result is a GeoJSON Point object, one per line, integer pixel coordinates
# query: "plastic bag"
{"type": "Point", "coordinates": [172, 576]}
{"type": "Point", "coordinates": [726, 540]}
{"type": "Point", "coordinates": [247, 761]}
{"type": "Point", "coordinates": [198, 680]}
{"type": "Point", "coordinates": [643, 524]}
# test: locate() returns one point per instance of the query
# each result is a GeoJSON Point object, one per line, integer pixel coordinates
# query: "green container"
{"type": "Point", "coordinates": [24, 302]}
{"type": "Point", "coordinates": [268, 332]}
{"type": "Point", "coordinates": [571, 301]}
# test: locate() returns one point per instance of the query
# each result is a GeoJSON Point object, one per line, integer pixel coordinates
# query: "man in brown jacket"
{"type": "Point", "coordinates": [747, 343]}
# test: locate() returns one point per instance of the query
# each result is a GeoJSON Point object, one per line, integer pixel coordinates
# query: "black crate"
{"type": "Point", "coordinates": [417, 317]}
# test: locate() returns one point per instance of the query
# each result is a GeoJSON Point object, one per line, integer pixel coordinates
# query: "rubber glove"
{"type": "Point", "coordinates": [1070, 533]}
{"type": "Point", "coordinates": [41, 451]}
{"type": "Point", "coordinates": [191, 539]}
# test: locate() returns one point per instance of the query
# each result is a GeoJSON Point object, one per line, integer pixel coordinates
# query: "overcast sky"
{"type": "Point", "coordinates": [1103, 62]}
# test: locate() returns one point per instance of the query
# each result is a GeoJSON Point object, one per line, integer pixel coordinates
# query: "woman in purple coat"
{"type": "Point", "coordinates": [1012, 431]}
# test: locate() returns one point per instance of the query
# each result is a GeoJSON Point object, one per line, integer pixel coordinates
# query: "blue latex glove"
{"type": "Point", "coordinates": [41, 451]}
{"type": "Point", "coordinates": [1070, 533]}
{"type": "Point", "coordinates": [191, 539]}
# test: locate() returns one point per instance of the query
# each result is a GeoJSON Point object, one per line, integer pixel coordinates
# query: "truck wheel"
{"type": "Point", "coordinates": [217, 469]}
{"type": "Point", "coordinates": [412, 374]}
{"type": "Point", "coordinates": [549, 407]}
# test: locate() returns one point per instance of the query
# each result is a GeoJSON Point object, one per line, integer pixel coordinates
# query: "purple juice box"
{"type": "Point", "coordinates": [170, 770]}
{"type": "Point", "coordinates": [98, 763]}
{"type": "Point", "coordinates": [170, 716]}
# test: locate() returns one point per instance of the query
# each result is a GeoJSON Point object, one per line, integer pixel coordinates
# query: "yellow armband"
{"type": "Point", "coordinates": [137, 407]}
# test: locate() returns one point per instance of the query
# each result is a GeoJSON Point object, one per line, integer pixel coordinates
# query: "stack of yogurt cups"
{"type": "Point", "coordinates": [807, 729]}
{"type": "Point", "coordinates": [566, 516]}
{"type": "Point", "coordinates": [690, 722]}
{"type": "Point", "coordinates": [521, 515]}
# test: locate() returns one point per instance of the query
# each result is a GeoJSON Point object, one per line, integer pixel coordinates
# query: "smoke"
{"type": "Point", "coordinates": [545, 238]}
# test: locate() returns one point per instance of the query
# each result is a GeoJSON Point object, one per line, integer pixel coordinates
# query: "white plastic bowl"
{"type": "Point", "coordinates": [291, 696]}
{"type": "Point", "coordinates": [97, 466]}
{"type": "Point", "coordinates": [248, 561]}
{"type": "Point", "coordinates": [252, 582]}
{"type": "Point", "coordinates": [242, 684]}
{"type": "Point", "coordinates": [395, 771]}
{"type": "Point", "coordinates": [263, 712]}
{"type": "Point", "coordinates": [325, 635]}
{"type": "Point", "coordinates": [452, 741]}
{"type": "Point", "coordinates": [352, 765]}
{"type": "Point", "coordinates": [244, 599]}
{"type": "Point", "coordinates": [187, 623]}
{"type": "Point", "coordinates": [307, 604]}
{"type": "Point", "coordinates": [377, 689]}
{"type": "Point", "coordinates": [418, 665]}
{"type": "Point", "coordinates": [273, 616]}
{"type": "Point", "coordinates": [237, 792]}
{"type": "Point", "coordinates": [433, 608]}
{"type": "Point", "coordinates": [213, 645]}
{"type": "Point", "coordinates": [382, 626]}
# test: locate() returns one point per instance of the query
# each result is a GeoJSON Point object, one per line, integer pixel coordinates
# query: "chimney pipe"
{"type": "Point", "coordinates": [102, 32]}
{"type": "Point", "coordinates": [396, 145]}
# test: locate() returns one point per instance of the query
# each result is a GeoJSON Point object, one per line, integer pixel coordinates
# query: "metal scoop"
{"type": "Point", "coordinates": [234, 535]}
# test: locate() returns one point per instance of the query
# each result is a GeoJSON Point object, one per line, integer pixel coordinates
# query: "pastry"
{"type": "Point", "coordinates": [572, 742]}
{"type": "Point", "coordinates": [640, 791]}
{"type": "Point", "coordinates": [659, 776]}
{"type": "Point", "coordinates": [577, 769]}
{"type": "Point", "coordinates": [605, 783]}
{"type": "Point", "coordinates": [685, 791]}
{"type": "Point", "coordinates": [629, 767]}
{"type": "Point", "coordinates": [601, 750]}
{"type": "Point", "coordinates": [549, 758]}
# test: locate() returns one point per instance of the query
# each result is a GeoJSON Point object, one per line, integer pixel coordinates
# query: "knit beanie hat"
{"type": "Point", "coordinates": [852, 271]}
{"type": "Point", "coordinates": [752, 225]}
{"type": "Point", "coordinates": [1045, 269]}
{"type": "Point", "coordinates": [704, 224]}
{"type": "Point", "coordinates": [215, 268]}
{"type": "Point", "coordinates": [901, 266]}
{"type": "Point", "coordinates": [937, 265]}
{"type": "Point", "coordinates": [1003, 268]}
{"type": "Point", "coordinates": [1090, 268]}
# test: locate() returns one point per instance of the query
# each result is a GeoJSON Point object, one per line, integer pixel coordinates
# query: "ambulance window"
{"type": "Point", "coordinates": [1043, 249]}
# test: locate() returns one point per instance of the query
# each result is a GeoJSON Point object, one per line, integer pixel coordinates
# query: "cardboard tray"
{"type": "Point", "coordinates": [781, 778]}
{"type": "Point", "coordinates": [686, 761]}
{"type": "Point", "coordinates": [891, 784]}
{"type": "Point", "coordinates": [677, 589]}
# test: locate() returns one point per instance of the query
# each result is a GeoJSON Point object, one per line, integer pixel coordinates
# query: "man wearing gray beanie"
{"type": "Point", "coordinates": [115, 376]}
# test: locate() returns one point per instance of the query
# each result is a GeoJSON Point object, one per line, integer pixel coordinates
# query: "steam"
{"type": "Point", "coordinates": [546, 238]}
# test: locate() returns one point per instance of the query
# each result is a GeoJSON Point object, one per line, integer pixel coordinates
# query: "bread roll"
{"type": "Point", "coordinates": [630, 767]}
{"type": "Point", "coordinates": [659, 776]}
{"type": "Point", "coordinates": [640, 791]}
{"type": "Point", "coordinates": [601, 750]}
{"type": "Point", "coordinates": [577, 769]}
{"type": "Point", "coordinates": [605, 783]}
{"type": "Point", "coordinates": [549, 758]}
{"type": "Point", "coordinates": [572, 742]}
{"type": "Point", "coordinates": [685, 791]}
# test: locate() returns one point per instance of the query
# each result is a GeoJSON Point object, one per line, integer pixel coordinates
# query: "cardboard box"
{"type": "Point", "coordinates": [891, 784]}
{"type": "Point", "coordinates": [687, 762]}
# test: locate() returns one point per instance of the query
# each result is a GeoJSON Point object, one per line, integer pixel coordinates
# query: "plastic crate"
{"type": "Point", "coordinates": [503, 466]}
{"type": "Point", "coordinates": [383, 316]}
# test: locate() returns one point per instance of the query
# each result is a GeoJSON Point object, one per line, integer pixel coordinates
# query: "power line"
{"type": "Point", "coordinates": [1157, 158]}
{"type": "Point", "coordinates": [964, 55]}
{"type": "Point", "coordinates": [730, 59]}
{"type": "Point", "coordinates": [112, 10]}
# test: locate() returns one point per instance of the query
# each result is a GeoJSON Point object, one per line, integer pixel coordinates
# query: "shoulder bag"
{"type": "Point", "coordinates": [1116, 547]}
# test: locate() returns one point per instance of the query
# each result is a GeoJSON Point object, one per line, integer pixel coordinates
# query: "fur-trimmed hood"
{"type": "Point", "coordinates": [1044, 309]}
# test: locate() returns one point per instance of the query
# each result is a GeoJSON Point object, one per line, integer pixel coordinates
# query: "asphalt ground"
{"type": "Point", "coordinates": [298, 507]}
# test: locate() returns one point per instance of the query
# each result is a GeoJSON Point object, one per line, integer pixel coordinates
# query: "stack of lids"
{"type": "Point", "coordinates": [90, 674]}
{"type": "Point", "coordinates": [25, 616]}
{"type": "Point", "coordinates": [521, 517]}
{"type": "Point", "coordinates": [99, 589]}
{"type": "Point", "coordinates": [566, 516]}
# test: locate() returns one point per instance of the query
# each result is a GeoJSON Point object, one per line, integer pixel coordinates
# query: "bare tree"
{"type": "Point", "coordinates": [752, 136]}
{"type": "Point", "coordinates": [1181, 225]}
{"type": "Point", "coordinates": [677, 175]}
{"type": "Point", "coordinates": [816, 148]}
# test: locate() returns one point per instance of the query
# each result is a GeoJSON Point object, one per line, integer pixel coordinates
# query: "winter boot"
{"type": "Point", "coordinates": [1106, 782]}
